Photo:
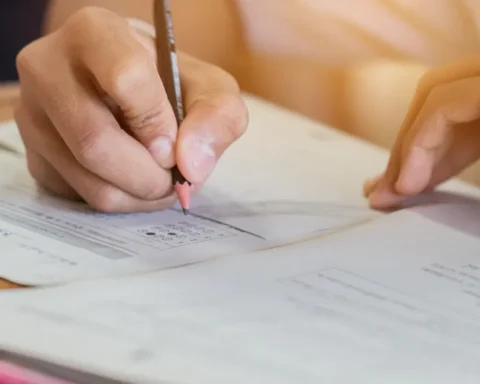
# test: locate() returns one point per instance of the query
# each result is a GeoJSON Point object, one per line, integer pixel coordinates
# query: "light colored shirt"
{"type": "Point", "coordinates": [344, 32]}
{"type": "Point", "coordinates": [353, 63]}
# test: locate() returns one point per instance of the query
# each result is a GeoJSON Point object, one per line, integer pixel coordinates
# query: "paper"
{"type": "Point", "coordinates": [49, 241]}
{"type": "Point", "coordinates": [395, 300]}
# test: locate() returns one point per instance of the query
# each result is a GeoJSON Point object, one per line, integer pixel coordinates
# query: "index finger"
{"type": "Point", "coordinates": [126, 71]}
{"type": "Point", "coordinates": [216, 117]}
{"type": "Point", "coordinates": [468, 67]}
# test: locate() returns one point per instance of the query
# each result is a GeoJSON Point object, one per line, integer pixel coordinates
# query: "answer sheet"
{"type": "Point", "coordinates": [394, 300]}
{"type": "Point", "coordinates": [45, 240]}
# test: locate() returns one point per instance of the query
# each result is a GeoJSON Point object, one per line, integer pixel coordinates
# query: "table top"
{"type": "Point", "coordinates": [8, 97]}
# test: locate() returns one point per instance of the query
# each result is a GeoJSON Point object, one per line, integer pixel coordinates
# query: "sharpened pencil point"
{"type": "Point", "coordinates": [183, 193]}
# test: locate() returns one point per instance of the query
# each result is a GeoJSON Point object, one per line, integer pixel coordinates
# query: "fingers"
{"type": "Point", "coordinates": [432, 132]}
{"type": "Point", "coordinates": [424, 148]}
{"type": "Point", "coordinates": [57, 167]}
{"type": "Point", "coordinates": [39, 168]}
{"type": "Point", "coordinates": [465, 69]}
{"type": "Point", "coordinates": [126, 70]}
{"type": "Point", "coordinates": [84, 121]}
{"type": "Point", "coordinates": [98, 143]}
{"type": "Point", "coordinates": [97, 122]}
{"type": "Point", "coordinates": [98, 193]}
{"type": "Point", "coordinates": [463, 151]}
{"type": "Point", "coordinates": [216, 118]}
{"type": "Point", "coordinates": [47, 176]}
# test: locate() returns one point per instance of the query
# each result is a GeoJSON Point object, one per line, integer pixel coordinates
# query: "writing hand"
{"type": "Point", "coordinates": [97, 124]}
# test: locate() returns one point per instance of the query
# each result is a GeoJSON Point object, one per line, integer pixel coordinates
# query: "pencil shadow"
{"type": "Point", "coordinates": [459, 212]}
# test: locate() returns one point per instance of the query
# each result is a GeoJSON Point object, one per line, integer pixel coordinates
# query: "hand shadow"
{"type": "Point", "coordinates": [456, 211]}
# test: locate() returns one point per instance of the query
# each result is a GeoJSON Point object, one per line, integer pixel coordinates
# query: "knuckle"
{"type": "Point", "coordinates": [87, 19]}
{"type": "Point", "coordinates": [86, 29]}
{"type": "Point", "coordinates": [105, 198]}
{"type": "Point", "coordinates": [128, 75]}
{"type": "Point", "coordinates": [151, 121]}
{"type": "Point", "coordinates": [89, 150]}
{"type": "Point", "coordinates": [34, 63]}
{"type": "Point", "coordinates": [25, 61]}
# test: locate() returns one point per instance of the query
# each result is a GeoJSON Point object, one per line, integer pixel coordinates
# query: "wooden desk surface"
{"type": "Point", "coordinates": [8, 97]}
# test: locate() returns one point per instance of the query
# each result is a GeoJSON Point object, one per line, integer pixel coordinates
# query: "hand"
{"type": "Point", "coordinates": [97, 124]}
{"type": "Point", "coordinates": [438, 139]}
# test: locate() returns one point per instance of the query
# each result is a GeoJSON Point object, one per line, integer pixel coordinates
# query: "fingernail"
{"type": "Point", "coordinates": [162, 150]}
{"type": "Point", "coordinates": [382, 198]}
{"type": "Point", "coordinates": [203, 159]}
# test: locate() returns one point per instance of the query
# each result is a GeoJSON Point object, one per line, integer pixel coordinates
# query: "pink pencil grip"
{"type": "Point", "coordinates": [14, 374]}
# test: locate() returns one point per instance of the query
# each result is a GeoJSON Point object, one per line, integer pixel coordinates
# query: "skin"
{"type": "Point", "coordinates": [91, 87]}
{"type": "Point", "coordinates": [439, 137]}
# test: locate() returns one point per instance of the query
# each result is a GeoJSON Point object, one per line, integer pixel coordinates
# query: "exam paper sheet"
{"type": "Point", "coordinates": [395, 300]}
{"type": "Point", "coordinates": [44, 240]}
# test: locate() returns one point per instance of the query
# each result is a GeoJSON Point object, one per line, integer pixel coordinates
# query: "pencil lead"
{"type": "Point", "coordinates": [185, 211]}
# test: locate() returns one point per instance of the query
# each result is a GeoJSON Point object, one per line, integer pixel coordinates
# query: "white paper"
{"type": "Point", "coordinates": [395, 300]}
{"type": "Point", "coordinates": [242, 207]}
{"type": "Point", "coordinates": [50, 241]}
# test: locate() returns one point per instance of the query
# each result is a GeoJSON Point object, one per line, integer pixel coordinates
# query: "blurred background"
{"type": "Point", "coordinates": [351, 64]}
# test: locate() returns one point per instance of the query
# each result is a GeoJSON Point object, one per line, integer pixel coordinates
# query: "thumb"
{"type": "Point", "coordinates": [210, 127]}
{"type": "Point", "coordinates": [216, 116]}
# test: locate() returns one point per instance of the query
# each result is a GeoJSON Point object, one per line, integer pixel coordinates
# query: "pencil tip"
{"type": "Point", "coordinates": [183, 193]}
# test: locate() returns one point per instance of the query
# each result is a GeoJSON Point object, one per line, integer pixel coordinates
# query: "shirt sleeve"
{"type": "Point", "coordinates": [343, 32]}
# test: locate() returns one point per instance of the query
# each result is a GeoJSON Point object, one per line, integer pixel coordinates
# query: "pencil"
{"type": "Point", "coordinates": [168, 70]}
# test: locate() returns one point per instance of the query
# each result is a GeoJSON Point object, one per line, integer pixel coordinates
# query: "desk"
{"type": "Point", "coordinates": [8, 97]}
